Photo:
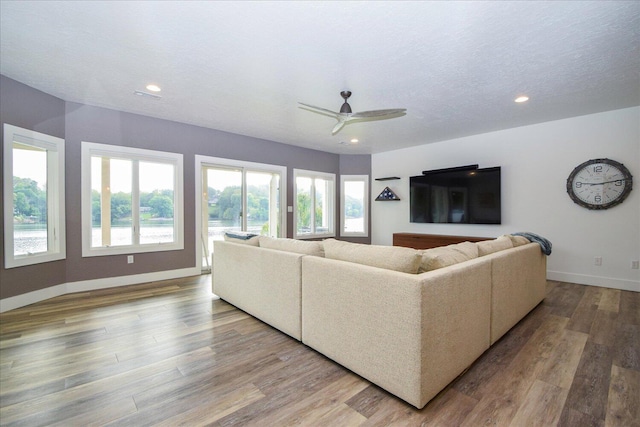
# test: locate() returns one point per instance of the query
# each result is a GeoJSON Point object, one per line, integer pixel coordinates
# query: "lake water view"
{"type": "Point", "coordinates": [32, 238]}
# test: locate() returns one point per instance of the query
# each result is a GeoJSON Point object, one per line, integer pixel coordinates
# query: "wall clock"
{"type": "Point", "coordinates": [599, 183]}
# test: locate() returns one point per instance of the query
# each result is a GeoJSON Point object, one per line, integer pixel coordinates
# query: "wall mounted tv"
{"type": "Point", "coordinates": [461, 195]}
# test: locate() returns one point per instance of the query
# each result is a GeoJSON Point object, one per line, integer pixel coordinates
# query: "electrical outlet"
{"type": "Point", "coordinates": [634, 264]}
{"type": "Point", "coordinates": [129, 259]}
{"type": "Point", "coordinates": [597, 261]}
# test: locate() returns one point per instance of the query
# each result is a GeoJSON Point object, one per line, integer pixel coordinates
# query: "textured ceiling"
{"type": "Point", "coordinates": [242, 67]}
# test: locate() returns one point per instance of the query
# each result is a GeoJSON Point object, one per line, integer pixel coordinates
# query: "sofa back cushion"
{"type": "Point", "coordinates": [306, 247]}
{"type": "Point", "coordinates": [444, 256]}
{"type": "Point", "coordinates": [396, 258]}
{"type": "Point", "coordinates": [517, 240]}
{"type": "Point", "coordinates": [487, 247]}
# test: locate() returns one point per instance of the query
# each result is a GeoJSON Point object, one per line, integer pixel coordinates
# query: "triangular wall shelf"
{"type": "Point", "coordinates": [387, 195]}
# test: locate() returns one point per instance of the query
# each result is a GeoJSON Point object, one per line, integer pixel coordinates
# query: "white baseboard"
{"type": "Point", "coordinates": [23, 300]}
{"type": "Point", "coordinates": [605, 282]}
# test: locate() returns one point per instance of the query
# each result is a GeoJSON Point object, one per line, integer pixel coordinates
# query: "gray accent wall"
{"type": "Point", "coordinates": [26, 107]}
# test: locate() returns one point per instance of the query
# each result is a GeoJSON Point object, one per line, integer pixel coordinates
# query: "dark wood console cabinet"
{"type": "Point", "coordinates": [428, 241]}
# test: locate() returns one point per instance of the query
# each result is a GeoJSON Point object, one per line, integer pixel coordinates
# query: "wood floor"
{"type": "Point", "coordinates": [167, 353]}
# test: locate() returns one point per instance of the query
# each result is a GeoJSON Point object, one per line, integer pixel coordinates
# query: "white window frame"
{"type": "Point", "coordinates": [90, 149]}
{"type": "Point", "coordinates": [56, 243]}
{"type": "Point", "coordinates": [365, 205]}
{"type": "Point", "coordinates": [331, 210]}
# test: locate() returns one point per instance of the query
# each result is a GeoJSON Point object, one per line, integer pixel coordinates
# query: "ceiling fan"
{"type": "Point", "coordinates": [346, 115]}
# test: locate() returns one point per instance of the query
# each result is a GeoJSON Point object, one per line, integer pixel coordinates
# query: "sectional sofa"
{"type": "Point", "coordinates": [407, 320]}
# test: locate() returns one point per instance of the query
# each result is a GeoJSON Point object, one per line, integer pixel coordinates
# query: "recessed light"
{"type": "Point", "coordinates": [153, 88]}
{"type": "Point", "coordinates": [354, 140]}
{"type": "Point", "coordinates": [522, 98]}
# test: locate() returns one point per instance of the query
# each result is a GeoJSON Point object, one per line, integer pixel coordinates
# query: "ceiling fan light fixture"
{"type": "Point", "coordinates": [153, 88]}
{"type": "Point", "coordinates": [346, 108]}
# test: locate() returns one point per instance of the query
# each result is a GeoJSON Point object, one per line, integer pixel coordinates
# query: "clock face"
{"type": "Point", "coordinates": [599, 184]}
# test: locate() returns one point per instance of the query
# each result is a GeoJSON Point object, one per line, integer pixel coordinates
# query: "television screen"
{"type": "Point", "coordinates": [464, 195]}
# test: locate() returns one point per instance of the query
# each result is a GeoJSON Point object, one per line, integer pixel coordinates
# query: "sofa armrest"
{"type": "Point", "coordinates": [263, 282]}
{"type": "Point", "coordinates": [410, 334]}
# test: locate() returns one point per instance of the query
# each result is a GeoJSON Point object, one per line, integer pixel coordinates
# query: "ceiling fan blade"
{"type": "Point", "coordinates": [338, 126]}
{"type": "Point", "coordinates": [320, 110]}
{"type": "Point", "coordinates": [379, 113]}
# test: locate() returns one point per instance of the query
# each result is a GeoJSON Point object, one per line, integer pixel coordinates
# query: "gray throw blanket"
{"type": "Point", "coordinates": [545, 244]}
{"type": "Point", "coordinates": [239, 235]}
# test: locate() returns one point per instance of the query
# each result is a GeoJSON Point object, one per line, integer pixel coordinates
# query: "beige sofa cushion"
{"type": "Point", "coordinates": [517, 240]}
{"type": "Point", "coordinates": [435, 258]}
{"type": "Point", "coordinates": [396, 258]}
{"type": "Point", "coordinates": [487, 247]}
{"type": "Point", "coordinates": [306, 247]}
{"type": "Point", "coordinates": [252, 241]}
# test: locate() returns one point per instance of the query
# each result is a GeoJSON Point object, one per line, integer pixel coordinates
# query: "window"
{"type": "Point", "coordinates": [354, 205]}
{"type": "Point", "coordinates": [131, 200]}
{"type": "Point", "coordinates": [238, 196]}
{"type": "Point", "coordinates": [314, 210]}
{"type": "Point", "coordinates": [34, 218]}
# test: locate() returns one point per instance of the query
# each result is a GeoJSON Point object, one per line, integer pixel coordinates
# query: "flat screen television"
{"type": "Point", "coordinates": [462, 195]}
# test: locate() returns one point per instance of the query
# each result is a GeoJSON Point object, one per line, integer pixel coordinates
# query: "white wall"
{"type": "Point", "coordinates": [536, 161]}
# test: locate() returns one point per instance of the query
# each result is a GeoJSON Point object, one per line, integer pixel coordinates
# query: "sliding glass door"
{"type": "Point", "coordinates": [239, 198]}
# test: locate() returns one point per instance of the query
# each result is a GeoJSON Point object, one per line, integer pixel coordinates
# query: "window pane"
{"type": "Point", "coordinates": [322, 205]}
{"type": "Point", "coordinates": [111, 201]}
{"type": "Point", "coordinates": [354, 199]}
{"type": "Point", "coordinates": [224, 195]}
{"type": "Point", "coordinates": [303, 198]}
{"type": "Point", "coordinates": [30, 200]}
{"type": "Point", "coordinates": [156, 202]}
{"type": "Point", "coordinates": [262, 209]}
